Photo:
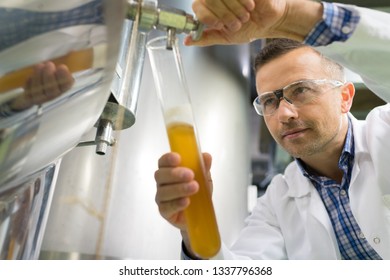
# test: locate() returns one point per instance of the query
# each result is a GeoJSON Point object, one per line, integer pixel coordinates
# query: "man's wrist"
{"type": "Point", "coordinates": [293, 26]}
{"type": "Point", "coordinates": [186, 254]}
{"type": "Point", "coordinates": [186, 248]}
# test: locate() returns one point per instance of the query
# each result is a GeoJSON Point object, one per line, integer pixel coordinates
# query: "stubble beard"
{"type": "Point", "coordinates": [313, 143]}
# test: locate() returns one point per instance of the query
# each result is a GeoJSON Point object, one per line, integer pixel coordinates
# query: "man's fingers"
{"type": "Point", "coordinates": [209, 37]}
{"type": "Point", "coordinates": [239, 9]}
{"type": "Point", "coordinates": [206, 16]}
{"type": "Point", "coordinates": [168, 175]}
{"type": "Point", "coordinates": [248, 4]}
{"type": "Point", "coordinates": [171, 208]}
{"type": "Point", "coordinates": [34, 85]}
{"type": "Point", "coordinates": [50, 87]}
{"type": "Point", "coordinates": [172, 199]}
{"type": "Point", "coordinates": [217, 16]}
{"type": "Point", "coordinates": [64, 78]}
{"type": "Point", "coordinates": [169, 160]}
{"type": "Point", "coordinates": [175, 191]}
{"type": "Point", "coordinates": [207, 161]}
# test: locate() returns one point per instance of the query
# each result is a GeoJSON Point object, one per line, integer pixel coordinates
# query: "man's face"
{"type": "Point", "coordinates": [316, 127]}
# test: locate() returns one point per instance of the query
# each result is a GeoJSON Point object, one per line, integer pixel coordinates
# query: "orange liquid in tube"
{"type": "Point", "coordinates": [169, 78]}
{"type": "Point", "coordinates": [200, 217]}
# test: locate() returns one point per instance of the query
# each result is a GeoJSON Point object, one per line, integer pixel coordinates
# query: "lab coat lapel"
{"type": "Point", "coordinates": [320, 230]}
{"type": "Point", "coordinates": [365, 189]}
{"type": "Point", "coordinates": [322, 240]}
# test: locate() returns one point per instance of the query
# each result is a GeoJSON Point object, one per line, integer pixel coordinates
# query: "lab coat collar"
{"type": "Point", "coordinates": [360, 145]}
{"type": "Point", "coordinates": [298, 184]}
{"type": "Point", "coordinates": [357, 129]}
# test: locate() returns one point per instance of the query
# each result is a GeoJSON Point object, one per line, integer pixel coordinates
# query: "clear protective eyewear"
{"type": "Point", "coordinates": [297, 93]}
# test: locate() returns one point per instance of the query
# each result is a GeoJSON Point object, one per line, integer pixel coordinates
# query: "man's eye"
{"type": "Point", "coordinates": [299, 91]}
{"type": "Point", "coordinates": [270, 101]}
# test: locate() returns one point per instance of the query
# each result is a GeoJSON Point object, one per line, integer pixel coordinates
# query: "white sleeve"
{"type": "Point", "coordinates": [367, 51]}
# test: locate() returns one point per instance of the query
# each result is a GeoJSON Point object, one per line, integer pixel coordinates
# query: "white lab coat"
{"type": "Point", "coordinates": [290, 220]}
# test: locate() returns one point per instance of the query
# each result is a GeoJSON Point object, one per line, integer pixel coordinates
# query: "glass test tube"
{"type": "Point", "coordinates": [174, 97]}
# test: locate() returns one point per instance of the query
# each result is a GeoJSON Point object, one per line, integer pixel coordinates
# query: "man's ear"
{"type": "Point", "coordinates": [347, 94]}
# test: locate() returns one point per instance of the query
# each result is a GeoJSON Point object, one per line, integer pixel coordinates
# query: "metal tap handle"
{"type": "Point", "coordinates": [164, 18]}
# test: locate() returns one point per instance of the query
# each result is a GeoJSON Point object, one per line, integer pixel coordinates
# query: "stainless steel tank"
{"type": "Point", "coordinates": [57, 61]}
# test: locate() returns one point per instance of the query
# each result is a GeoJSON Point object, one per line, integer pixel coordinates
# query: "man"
{"type": "Point", "coordinates": [333, 201]}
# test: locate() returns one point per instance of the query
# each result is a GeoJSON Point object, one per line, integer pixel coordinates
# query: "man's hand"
{"type": "Point", "coordinates": [268, 19]}
{"type": "Point", "coordinates": [220, 14]}
{"type": "Point", "coordinates": [175, 185]}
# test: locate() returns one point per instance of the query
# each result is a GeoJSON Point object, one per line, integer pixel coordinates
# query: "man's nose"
{"type": "Point", "coordinates": [286, 111]}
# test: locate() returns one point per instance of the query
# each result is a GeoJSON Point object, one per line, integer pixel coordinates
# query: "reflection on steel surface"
{"type": "Point", "coordinates": [57, 65]}
{"type": "Point", "coordinates": [57, 62]}
{"type": "Point", "coordinates": [23, 213]}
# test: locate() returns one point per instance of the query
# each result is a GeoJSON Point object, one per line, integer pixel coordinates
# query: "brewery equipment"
{"type": "Point", "coordinates": [58, 63]}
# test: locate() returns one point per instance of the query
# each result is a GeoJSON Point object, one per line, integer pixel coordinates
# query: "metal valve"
{"type": "Point", "coordinates": [169, 19]}
{"type": "Point", "coordinates": [141, 17]}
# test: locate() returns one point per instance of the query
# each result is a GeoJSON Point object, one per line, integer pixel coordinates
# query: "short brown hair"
{"type": "Point", "coordinates": [280, 46]}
